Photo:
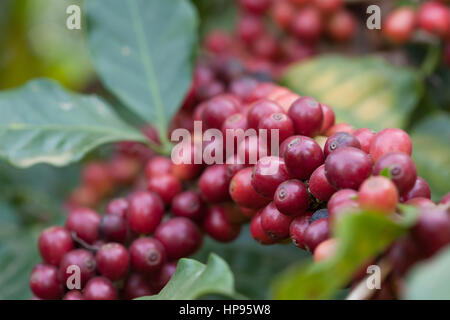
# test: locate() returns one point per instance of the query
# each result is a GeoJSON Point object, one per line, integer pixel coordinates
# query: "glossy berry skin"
{"type": "Point", "coordinates": [307, 115]}
{"type": "Point", "coordinates": [265, 47]}
{"type": "Point", "coordinates": [188, 204]}
{"type": "Point", "coordinates": [45, 282]}
{"type": "Point", "coordinates": [341, 26]}
{"type": "Point", "coordinates": [100, 288]}
{"type": "Point", "coordinates": [328, 6]}
{"type": "Point", "coordinates": [280, 122]}
{"type": "Point", "coordinates": [233, 165]}
{"type": "Point", "coordinates": [399, 25]}
{"type": "Point", "coordinates": [420, 189]}
{"type": "Point", "coordinates": [147, 255]}
{"type": "Point", "coordinates": [341, 202]}
{"type": "Point", "coordinates": [232, 127]}
{"type": "Point", "coordinates": [328, 118]}
{"type": "Point", "coordinates": [420, 203]}
{"type": "Point", "coordinates": [258, 232]}
{"type": "Point", "coordinates": [282, 13]}
{"type": "Point", "coordinates": [268, 174]}
{"type": "Point", "coordinates": [302, 156]}
{"type": "Point", "coordinates": [118, 206]}
{"type": "Point", "coordinates": [378, 193]}
{"type": "Point", "coordinates": [274, 223]}
{"type": "Point", "coordinates": [445, 199]}
{"type": "Point", "coordinates": [260, 92]}
{"type": "Point", "coordinates": [286, 100]}
{"type": "Point", "coordinates": [402, 170]}
{"type": "Point", "coordinates": [114, 228]}
{"type": "Point", "coordinates": [159, 280]}
{"type": "Point", "coordinates": [307, 24]}
{"type": "Point", "coordinates": [434, 17]}
{"type": "Point", "coordinates": [432, 229]}
{"type": "Point", "coordinates": [297, 229]}
{"type": "Point", "coordinates": [340, 127]}
{"type": "Point", "coordinates": [166, 186]}
{"type": "Point", "coordinates": [113, 261]}
{"type": "Point", "coordinates": [365, 137]}
{"type": "Point", "coordinates": [137, 285]}
{"type": "Point", "coordinates": [338, 140]}
{"type": "Point", "coordinates": [319, 186]}
{"type": "Point", "coordinates": [250, 150]}
{"type": "Point", "coordinates": [259, 110]}
{"type": "Point", "coordinates": [316, 233]}
{"type": "Point", "coordinates": [145, 212]}
{"type": "Point", "coordinates": [217, 110]}
{"type": "Point", "coordinates": [347, 167]}
{"type": "Point", "coordinates": [73, 295]}
{"type": "Point", "coordinates": [53, 244]}
{"type": "Point", "coordinates": [81, 258]}
{"type": "Point", "coordinates": [84, 223]}
{"type": "Point", "coordinates": [158, 166]}
{"type": "Point", "coordinates": [255, 6]}
{"type": "Point", "coordinates": [325, 250]}
{"type": "Point", "coordinates": [319, 214]}
{"type": "Point", "coordinates": [291, 198]}
{"type": "Point", "coordinates": [243, 193]}
{"type": "Point", "coordinates": [219, 227]}
{"type": "Point", "coordinates": [180, 236]}
{"type": "Point", "coordinates": [214, 183]}
{"type": "Point", "coordinates": [390, 140]}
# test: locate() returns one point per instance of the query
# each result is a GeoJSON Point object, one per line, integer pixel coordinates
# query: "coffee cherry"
{"type": "Point", "coordinates": [265, 47]}
{"type": "Point", "coordinates": [188, 204]}
{"type": "Point", "coordinates": [341, 26]}
{"type": "Point", "coordinates": [434, 17]}
{"type": "Point", "coordinates": [255, 6]}
{"type": "Point", "coordinates": [217, 110]}
{"type": "Point", "coordinates": [328, 6]}
{"type": "Point", "coordinates": [307, 24]}
{"type": "Point", "coordinates": [297, 229]}
{"type": "Point", "coordinates": [73, 295]}
{"type": "Point", "coordinates": [258, 232]}
{"type": "Point", "coordinates": [166, 186]}
{"type": "Point", "coordinates": [219, 227]}
{"type": "Point", "coordinates": [114, 228]}
{"type": "Point", "coordinates": [365, 137]}
{"type": "Point", "coordinates": [124, 169]}
{"type": "Point", "coordinates": [243, 193]}
{"type": "Point", "coordinates": [137, 285]}
{"type": "Point", "coordinates": [319, 186]}
{"type": "Point", "coordinates": [100, 288]}
{"type": "Point", "coordinates": [118, 206]}
{"type": "Point", "coordinates": [214, 183]}
{"type": "Point", "coordinates": [241, 87]}
{"type": "Point", "coordinates": [261, 109]}
{"type": "Point", "coordinates": [319, 214]}
{"type": "Point", "coordinates": [145, 212]}
{"type": "Point", "coordinates": [217, 41]}
{"type": "Point", "coordinates": [286, 100]}
{"type": "Point", "coordinates": [390, 140]}
{"type": "Point", "coordinates": [325, 250]}
{"type": "Point", "coordinates": [307, 115]}
{"type": "Point", "coordinates": [338, 140]}
{"type": "Point", "coordinates": [98, 176]}
{"type": "Point", "coordinates": [277, 93]}
{"type": "Point", "coordinates": [54, 243]}
{"type": "Point", "coordinates": [260, 92]}
{"type": "Point", "coordinates": [233, 165]}
{"type": "Point", "coordinates": [268, 174]}
{"type": "Point", "coordinates": [341, 202]}
{"type": "Point", "coordinates": [180, 237]}
{"type": "Point", "coordinates": [291, 198]}
{"type": "Point", "coordinates": [302, 156]}
{"type": "Point", "coordinates": [251, 149]}
{"type": "Point", "coordinates": [340, 127]}
{"type": "Point", "coordinates": [282, 13]}
{"type": "Point", "coordinates": [45, 282]}
{"type": "Point", "coordinates": [420, 189]}
{"type": "Point", "coordinates": [378, 193]}
{"type": "Point", "coordinates": [274, 223]}
{"type": "Point", "coordinates": [404, 253]}
{"type": "Point", "coordinates": [285, 144]}
{"type": "Point", "coordinates": [420, 203]}
{"type": "Point", "coordinates": [232, 128]}
{"type": "Point", "coordinates": [347, 167]}
{"type": "Point", "coordinates": [81, 258]}
{"type": "Point", "coordinates": [401, 167]}
{"type": "Point", "coordinates": [84, 223]}
{"type": "Point", "coordinates": [112, 261]}
{"type": "Point", "coordinates": [159, 280]}
{"type": "Point", "coordinates": [147, 255]}
{"type": "Point", "coordinates": [249, 28]}
{"type": "Point", "coordinates": [399, 25]}
{"type": "Point", "coordinates": [316, 233]}
{"type": "Point", "coordinates": [445, 199]}
{"type": "Point", "coordinates": [328, 118]}
{"type": "Point", "coordinates": [279, 122]}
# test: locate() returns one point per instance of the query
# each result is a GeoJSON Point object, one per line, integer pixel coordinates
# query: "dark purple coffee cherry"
{"type": "Point", "coordinates": [338, 140]}
{"type": "Point", "coordinates": [291, 198]}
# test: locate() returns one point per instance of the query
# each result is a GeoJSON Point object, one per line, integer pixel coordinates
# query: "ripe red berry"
{"type": "Point", "coordinates": [279, 122]}
{"type": "Point", "coordinates": [434, 17]}
{"type": "Point", "coordinates": [261, 109]}
{"type": "Point", "coordinates": [445, 199]}
{"type": "Point", "coordinates": [188, 204]}
{"type": "Point", "coordinates": [100, 288]}
{"type": "Point", "coordinates": [260, 92]}
{"type": "Point", "coordinates": [158, 166]}
{"type": "Point", "coordinates": [73, 295]}
{"type": "Point", "coordinates": [112, 261]}
{"type": "Point", "coordinates": [402, 170]}
{"type": "Point", "coordinates": [145, 212]}
{"type": "Point", "coordinates": [232, 129]}
{"type": "Point", "coordinates": [297, 229]}
{"type": "Point", "coordinates": [307, 115]}
{"type": "Point", "coordinates": [54, 243]}
{"type": "Point", "coordinates": [258, 232]}
{"type": "Point", "coordinates": [365, 137]}
{"type": "Point", "coordinates": [159, 280]}
{"type": "Point", "coordinates": [214, 183]}
{"type": "Point", "coordinates": [341, 26]}
{"type": "Point", "coordinates": [282, 13]}
{"type": "Point", "coordinates": [147, 255]}
{"type": "Point", "coordinates": [118, 206]}
{"type": "Point", "coordinates": [328, 6]}
{"type": "Point", "coordinates": [81, 258]}
{"type": "Point", "coordinates": [317, 232]}
{"type": "Point", "coordinates": [420, 203]}
{"type": "Point", "coordinates": [420, 189]}
{"type": "Point", "coordinates": [243, 193]}
{"type": "Point", "coordinates": [328, 118]}
{"type": "Point", "coordinates": [390, 140]}
{"type": "Point", "coordinates": [340, 127]}
{"type": "Point", "coordinates": [338, 140]}
{"type": "Point", "coordinates": [251, 149]}
{"type": "Point", "coordinates": [325, 250]}
{"type": "Point", "coordinates": [274, 223]}
{"type": "Point", "coordinates": [268, 174]}
{"type": "Point", "coordinates": [378, 193]}
{"type": "Point", "coordinates": [217, 41]}
{"type": "Point", "coordinates": [341, 202]}
{"type": "Point", "coordinates": [217, 110]}
{"type": "Point", "coordinates": [180, 236]}
{"type": "Point", "coordinates": [319, 186]}
{"type": "Point", "coordinates": [292, 198]}
{"type": "Point", "coordinates": [347, 167]}
{"type": "Point", "coordinates": [219, 227]}
{"type": "Point", "coordinates": [399, 25]}
{"type": "Point", "coordinates": [209, 90]}
{"type": "Point", "coordinates": [84, 223]}
{"type": "Point", "coordinates": [98, 176]}
{"type": "Point", "coordinates": [302, 156]}
{"type": "Point", "coordinates": [242, 86]}
{"type": "Point", "coordinates": [166, 186]}
{"type": "Point", "coordinates": [137, 285]}
{"type": "Point", "coordinates": [45, 282]}
{"type": "Point", "coordinates": [255, 6]}
{"type": "Point", "coordinates": [114, 228]}
{"type": "Point", "coordinates": [307, 24]}
{"type": "Point", "coordinates": [249, 28]}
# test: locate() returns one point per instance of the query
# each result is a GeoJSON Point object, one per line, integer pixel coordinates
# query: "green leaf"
{"type": "Point", "coordinates": [431, 152]}
{"type": "Point", "coordinates": [362, 236]}
{"type": "Point", "coordinates": [193, 280]}
{"type": "Point", "coordinates": [365, 92]}
{"type": "Point", "coordinates": [429, 280]}
{"type": "Point", "coordinates": [143, 52]}
{"type": "Point", "coordinates": [386, 172]}
{"type": "Point", "coordinates": [42, 122]}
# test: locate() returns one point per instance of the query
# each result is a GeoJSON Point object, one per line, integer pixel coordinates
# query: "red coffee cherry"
{"type": "Point", "coordinates": [338, 140]}
{"type": "Point", "coordinates": [73, 295]}
{"type": "Point", "coordinates": [282, 13]}
{"type": "Point", "coordinates": [217, 110]}
{"type": "Point", "coordinates": [292, 198]}
{"type": "Point", "coordinates": [340, 127]}
{"type": "Point", "coordinates": [98, 176]}
{"type": "Point", "coordinates": [114, 228]}
{"type": "Point", "coordinates": [260, 92]}
{"type": "Point", "coordinates": [242, 86]}
{"type": "Point", "coordinates": [365, 137]}
{"type": "Point", "coordinates": [328, 118]}
{"type": "Point", "coordinates": [390, 140]}
{"type": "Point", "coordinates": [217, 41]}
{"type": "Point", "coordinates": [249, 28]}
{"type": "Point", "coordinates": [325, 250]}
{"type": "Point", "coordinates": [279, 122]}
{"type": "Point", "coordinates": [100, 288]}
{"type": "Point", "coordinates": [258, 232]}
{"type": "Point", "coordinates": [307, 115]}
{"type": "Point", "coordinates": [445, 199]}
{"type": "Point", "coordinates": [147, 255]}
{"type": "Point", "coordinates": [302, 156]}
{"type": "Point", "coordinates": [188, 204]}
{"type": "Point", "coordinates": [420, 189]}
{"type": "Point", "coordinates": [297, 229]}
{"type": "Point", "coordinates": [54, 243]}
{"type": "Point", "coordinates": [420, 203]}
{"type": "Point", "coordinates": [166, 186]}
{"type": "Point", "coordinates": [232, 127]}
{"type": "Point", "coordinates": [118, 206]}
{"type": "Point", "coordinates": [81, 258]}
{"type": "Point", "coordinates": [45, 282]}
{"type": "Point", "coordinates": [158, 166]}
{"type": "Point", "coordinates": [243, 193]}
{"type": "Point", "coordinates": [341, 202]}
{"type": "Point", "coordinates": [84, 223]}
{"type": "Point", "coordinates": [145, 212]}
{"type": "Point", "coordinates": [214, 183]}
{"type": "Point", "coordinates": [261, 109]}
{"type": "Point", "coordinates": [378, 193]}
{"type": "Point", "coordinates": [307, 24]}
{"type": "Point", "coordinates": [113, 261]}
{"type": "Point", "coordinates": [251, 149]}
{"type": "Point", "coordinates": [268, 174]}
{"type": "Point", "coordinates": [434, 17]}
{"type": "Point", "coordinates": [328, 6]}
{"type": "Point", "coordinates": [274, 223]}
{"type": "Point", "coordinates": [399, 25]}
{"type": "Point", "coordinates": [137, 285]}
{"type": "Point", "coordinates": [317, 232]}
{"type": "Point", "coordinates": [265, 47]}
{"type": "Point", "coordinates": [255, 6]}
{"type": "Point", "coordinates": [319, 186]}
{"type": "Point", "coordinates": [341, 26]}
{"type": "Point", "coordinates": [219, 227]}
{"type": "Point", "coordinates": [159, 280]}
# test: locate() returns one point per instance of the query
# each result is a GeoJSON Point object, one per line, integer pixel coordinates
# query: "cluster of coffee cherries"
{"type": "Point", "coordinates": [432, 17]}
{"type": "Point", "coordinates": [271, 34]}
